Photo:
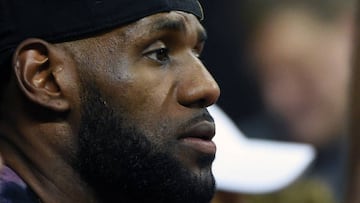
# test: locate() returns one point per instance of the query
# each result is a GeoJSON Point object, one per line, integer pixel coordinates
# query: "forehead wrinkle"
{"type": "Point", "coordinates": [178, 24]}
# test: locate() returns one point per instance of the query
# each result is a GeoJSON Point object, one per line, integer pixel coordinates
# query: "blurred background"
{"type": "Point", "coordinates": [284, 67]}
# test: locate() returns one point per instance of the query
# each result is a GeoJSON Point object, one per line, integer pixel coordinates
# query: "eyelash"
{"type": "Point", "coordinates": [160, 55]}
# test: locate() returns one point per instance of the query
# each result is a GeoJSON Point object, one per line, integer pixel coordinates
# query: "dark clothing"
{"type": "Point", "coordinates": [13, 189]}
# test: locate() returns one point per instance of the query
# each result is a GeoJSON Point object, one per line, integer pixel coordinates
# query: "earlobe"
{"type": "Point", "coordinates": [36, 65]}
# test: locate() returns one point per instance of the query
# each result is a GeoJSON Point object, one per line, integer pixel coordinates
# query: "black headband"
{"type": "Point", "coordinates": [65, 20]}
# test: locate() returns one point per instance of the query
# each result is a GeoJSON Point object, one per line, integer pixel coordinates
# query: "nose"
{"type": "Point", "coordinates": [197, 88]}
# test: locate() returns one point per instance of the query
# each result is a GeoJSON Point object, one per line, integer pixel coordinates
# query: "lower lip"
{"type": "Point", "coordinates": [204, 146]}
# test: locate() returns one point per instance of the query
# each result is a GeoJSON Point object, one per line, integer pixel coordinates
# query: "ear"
{"type": "Point", "coordinates": [36, 64]}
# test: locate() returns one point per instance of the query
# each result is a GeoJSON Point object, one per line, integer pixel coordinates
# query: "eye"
{"type": "Point", "coordinates": [157, 52]}
{"type": "Point", "coordinates": [159, 55]}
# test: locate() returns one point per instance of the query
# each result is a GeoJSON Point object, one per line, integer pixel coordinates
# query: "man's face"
{"type": "Point", "coordinates": [303, 66]}
{"type": "Point", "coordinates": [145, 133]}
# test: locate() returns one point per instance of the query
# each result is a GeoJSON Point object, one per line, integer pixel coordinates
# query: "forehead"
{"type": "Point", "coordinates": [174, 21]}
{"type": "Point", "coordinates": [174, 28]}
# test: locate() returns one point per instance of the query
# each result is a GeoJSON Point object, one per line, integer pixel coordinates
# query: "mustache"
{"type": "Point", "coordinates": [203, 115]}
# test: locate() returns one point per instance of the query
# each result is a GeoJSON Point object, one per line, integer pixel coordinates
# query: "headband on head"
{"type": "Point", "coordinates": [59, 21]}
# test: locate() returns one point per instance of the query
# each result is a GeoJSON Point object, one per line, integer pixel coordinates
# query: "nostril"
{"type": "Point", "coordinates": [201, 103]}
{"type": "Point", "coordinates": [211, 95]}
{"type": "Point", "coordinates": [200, 97]}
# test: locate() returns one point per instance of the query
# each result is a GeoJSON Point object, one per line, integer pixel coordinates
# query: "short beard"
{"type": "Point", "coordinates": [121, 165]}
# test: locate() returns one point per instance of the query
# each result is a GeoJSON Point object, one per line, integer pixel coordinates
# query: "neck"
{"type": "Point", "coordinates": [51, 178]}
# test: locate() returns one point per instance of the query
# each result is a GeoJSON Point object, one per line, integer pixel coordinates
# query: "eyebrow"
{"type": "Point", "coordinates": [169, 24]}
{"type": "Point", "coordinates": [176, 25]}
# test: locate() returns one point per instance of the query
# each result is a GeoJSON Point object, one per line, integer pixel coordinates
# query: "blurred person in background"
{"type": "Point", "coordinates": [323, 29]}
{"type": "Point", "coordinates": [353, 195]}
{"type": "Point", "coordinates": [302, 56]}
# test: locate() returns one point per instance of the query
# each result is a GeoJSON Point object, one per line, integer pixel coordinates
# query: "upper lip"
{"type": "Point", "coordinates": [204, 130]}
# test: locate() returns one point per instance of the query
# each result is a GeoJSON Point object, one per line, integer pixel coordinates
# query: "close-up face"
{"type": "Point", "coordinates": [303, 66]}
{"type": "Point", "coordinates": [144, 121]}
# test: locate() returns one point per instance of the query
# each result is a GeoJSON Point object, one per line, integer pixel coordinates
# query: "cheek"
{"type": "Point", "coordinates": [145, 108]}
{"type": "Point", "coordinates": [146, 98]}
{"type": "Point", "coordinates": [145, 94]}
{"type": "Point", "coordinates": [152, 89]}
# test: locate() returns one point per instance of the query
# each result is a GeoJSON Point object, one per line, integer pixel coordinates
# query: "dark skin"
{"type": "Point", "coordinates": [148, 70]}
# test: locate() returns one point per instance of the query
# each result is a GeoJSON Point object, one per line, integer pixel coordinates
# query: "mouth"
{"type": "Point", "coordinates": [199, 137]}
